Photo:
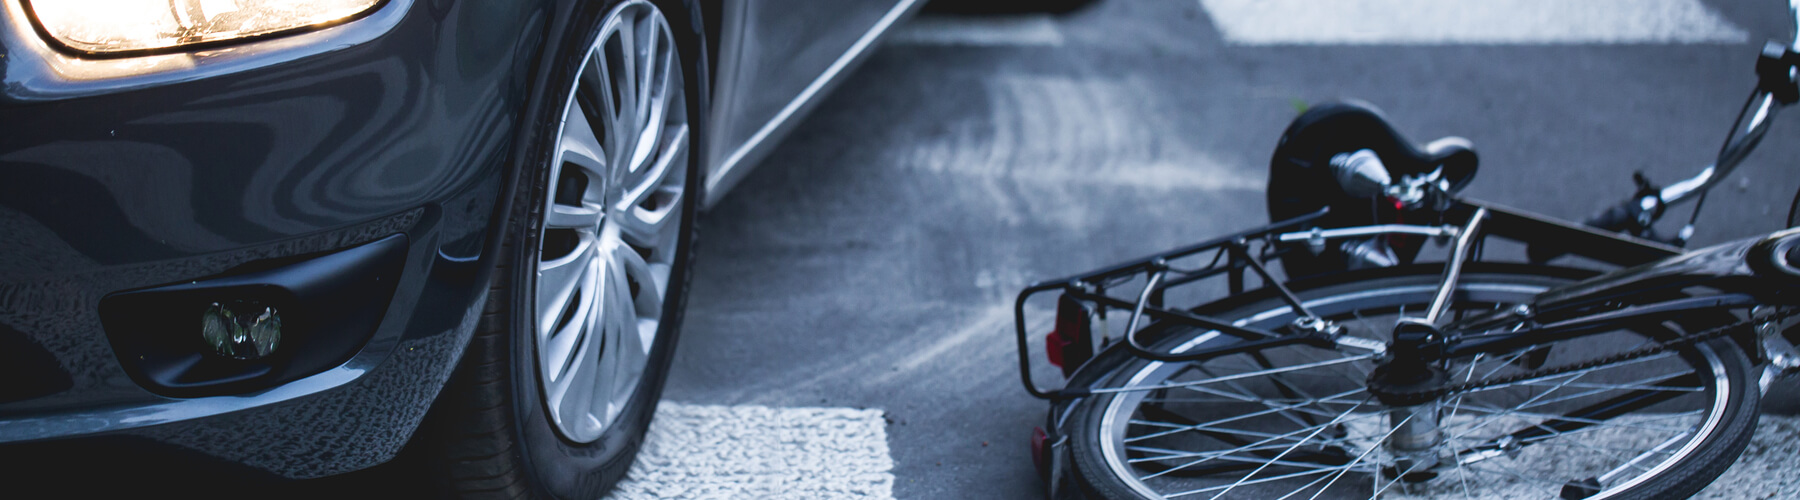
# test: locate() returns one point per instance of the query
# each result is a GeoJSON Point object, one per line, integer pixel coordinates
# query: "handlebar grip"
{"type": "Point", "coordinates": [1620, 217]}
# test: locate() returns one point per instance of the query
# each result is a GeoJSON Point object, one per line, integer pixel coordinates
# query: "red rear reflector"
{"type": "Point", "coordinates": [1071, 344]}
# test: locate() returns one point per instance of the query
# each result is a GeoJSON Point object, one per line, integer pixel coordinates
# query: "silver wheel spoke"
{"type": "Point", "coordinates": [582, 380]}
{"type": "Point", "coordinates": [558, 280]}
{"type": "Point", "coordinates": [625, 75]}
{"type": "Point", "coordinates": [581, 145]}
{"type": "Point", "coordinates": [637, 184]}
{"type": "Point", "coordinates": [614, 356]}
{"type": "Point", "coordinates": [568, 217]}
{"type": "Point", "coordinates": [650, 209]}
{"type": "Point", "coordinates": [650, 99]}
{"type": "Point", "coordinates": [597, 85]}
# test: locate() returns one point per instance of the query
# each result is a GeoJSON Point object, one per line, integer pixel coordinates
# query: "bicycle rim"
{"type": "Point", "coordinates": [1299, 423]}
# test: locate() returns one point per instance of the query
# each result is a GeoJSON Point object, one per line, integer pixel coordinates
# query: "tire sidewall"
{"type": "Point", "coordinates": [555, 466]}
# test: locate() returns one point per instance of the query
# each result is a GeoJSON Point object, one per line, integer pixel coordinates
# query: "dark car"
{"type": "Point", "coordinates": [285, 239]}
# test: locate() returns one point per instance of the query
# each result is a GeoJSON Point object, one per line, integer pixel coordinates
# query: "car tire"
{"type": "Point", "coordinates": [501, 428]}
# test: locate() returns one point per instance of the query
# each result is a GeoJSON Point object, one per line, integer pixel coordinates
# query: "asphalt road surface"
{"type": "Point", "coordinates": [870, 262]}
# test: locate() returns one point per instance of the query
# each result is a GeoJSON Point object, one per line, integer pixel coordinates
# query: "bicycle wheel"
{"type": "Point", "coordinates": [1298, 422]}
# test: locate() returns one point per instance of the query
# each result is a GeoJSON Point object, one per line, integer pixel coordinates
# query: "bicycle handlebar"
{"type": "Point", "coordinates": [1638, 213]}
{"type": "Point", "coordinates": [1731, 155]}
{"type": "Point", "coordinates": [1776, 88]}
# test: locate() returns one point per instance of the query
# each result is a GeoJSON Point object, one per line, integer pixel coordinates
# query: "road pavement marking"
{"type": "Point", "coordinates": [989, 327]}
{"type": "Point", "coordinates": [731, 452]}
{"type": "Point", "coordinates": [989, 31]}
{"type": "Point", "coordinates": [1430, 22]}
{"type": "Point", "coordinates": [1062, 131]}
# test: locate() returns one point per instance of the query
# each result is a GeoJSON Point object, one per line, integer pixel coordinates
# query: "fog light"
{"type": "Point", "coordinates": [241, 330]}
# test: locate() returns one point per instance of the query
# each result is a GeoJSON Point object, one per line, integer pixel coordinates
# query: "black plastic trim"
{"type": "Point", "coordinates": [329, 305]}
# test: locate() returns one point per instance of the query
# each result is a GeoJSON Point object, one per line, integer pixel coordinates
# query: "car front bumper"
{"type": "Point", "coordinates": [132, 173]}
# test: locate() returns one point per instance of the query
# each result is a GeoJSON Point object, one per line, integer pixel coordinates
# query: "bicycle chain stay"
{"type": "Point", "coordinates": [1659, 347]}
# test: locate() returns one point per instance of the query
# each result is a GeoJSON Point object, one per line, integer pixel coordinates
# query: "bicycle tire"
{"type": "Point", "coordinates": [1727, 400]}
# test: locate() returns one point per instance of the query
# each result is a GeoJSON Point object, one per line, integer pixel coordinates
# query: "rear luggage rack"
{"type": "Point", "coordinates": [1251, 252]}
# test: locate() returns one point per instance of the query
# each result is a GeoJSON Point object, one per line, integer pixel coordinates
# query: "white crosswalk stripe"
{"type": "Point", "coordinates": [1432, 22]}
{"type": "Point", "coordinates": [732, 452]}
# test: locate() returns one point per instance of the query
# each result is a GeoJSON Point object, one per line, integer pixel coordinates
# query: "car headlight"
{"type": "Point", "coordinates": [113, 26]}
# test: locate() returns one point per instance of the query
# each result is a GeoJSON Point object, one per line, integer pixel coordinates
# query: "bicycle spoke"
{"type": "Point", "coordinates": [1168, 454]}
{"type": "Point", "coordinates": [1314, 430]}
{"type": "Point", "coordinates": [1572, 377]}
{"type": "Point", "coordinates": [1210, 425]}
{"type": "Point", "coordinates": [1619, 387]}
{"type": "Point", "coordinates": [1276, 379]}
{"type": "Point", "coordinates": [1231, 377]}
{"type": "Point", "coordinates": [1229, 400]}
{"type": "Point", "coordinates": [1258, 481]}
{"type": "Point", "coordinates": [1271, 403]}
{"type": "Point", "coordinates": [1597, 412]}
{"type": "Point", "coordinates": [1516, 475]}
{"type": "Point", "coordinates": [1500, 412]}
{"type": "Point", "coordinates": [1580, 395]}
{"type": "Point", "coordinates": [1343, 370]}
{"type": "Point", "coordinates": [1397, 477]}
{"type": "Point", "coordinates": [1456, 408]}
{"type": "Point", "coordinates": [1359, 458]}
{"type": "Point", "coordinates": [1633, 463]}
{"type": "Point", "coordinates": [1573, 374]}
{"type": "Point", "coordinates": [1309, 485]}
{"type": "Point", "coordinates": [1230, 458]}
{"type": "Point", "coordinates": [1290, 449]}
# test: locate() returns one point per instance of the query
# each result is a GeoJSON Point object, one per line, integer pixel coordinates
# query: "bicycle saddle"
{"type": "Point", "coordinates": [1300, 178]}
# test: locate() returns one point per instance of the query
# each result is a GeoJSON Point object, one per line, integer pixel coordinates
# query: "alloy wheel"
{"type": "Point", "coordinates": [612, 222]}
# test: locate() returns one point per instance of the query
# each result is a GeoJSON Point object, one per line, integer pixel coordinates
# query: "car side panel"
{"type": "Point", "coordinates": [776, 59]}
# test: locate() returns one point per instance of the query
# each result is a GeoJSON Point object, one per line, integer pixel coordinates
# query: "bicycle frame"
{"type": "Point", "coordinates": [1744, 273]}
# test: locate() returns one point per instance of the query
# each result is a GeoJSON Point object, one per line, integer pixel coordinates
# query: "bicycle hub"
{"type": "Point", "coordinates": [1410, 375]}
